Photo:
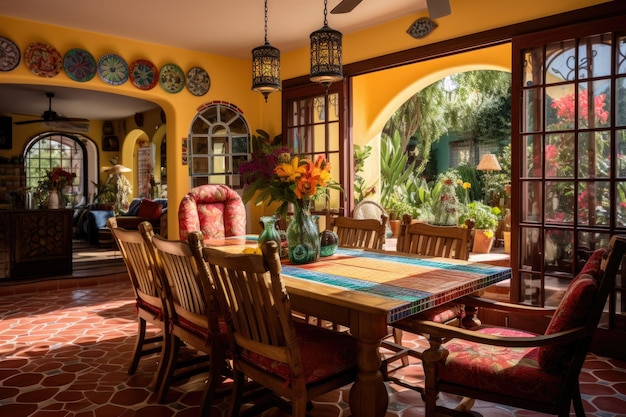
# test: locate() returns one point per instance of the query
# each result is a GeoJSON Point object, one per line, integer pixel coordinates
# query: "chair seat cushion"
{"type": "Point", "coordinates": [202, 331]}
{"type": "Point", "coordinates": [323, 353]}
{"type": "Point", "coordinates": [513, 371]}
{"type": "Point", "coordinates": [442, 314]}
{"type": "Point", "coordinates": [571, 312]}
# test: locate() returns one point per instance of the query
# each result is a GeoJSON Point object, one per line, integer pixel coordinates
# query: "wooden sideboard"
{"type": "Point", "coordinates": [35, 243]}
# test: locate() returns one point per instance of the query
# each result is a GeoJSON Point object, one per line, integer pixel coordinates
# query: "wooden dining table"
{"type": "Point", "coordinates": [366, 291]}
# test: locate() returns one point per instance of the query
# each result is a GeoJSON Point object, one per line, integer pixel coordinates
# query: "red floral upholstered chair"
{"type": "Point", "coordinates": [215, 210]}
{"type": "Point", "coordinates": [519, 368]}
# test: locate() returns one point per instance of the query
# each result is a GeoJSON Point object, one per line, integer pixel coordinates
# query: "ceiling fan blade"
{"type": "Point", "coordinates": [438, 8]}
{"type": "Point", "coordinates": [70, 119]}
{"type": "Point", "coordinates": [346, 6]}
{"type": "Point", "coordinates": [26, 122]}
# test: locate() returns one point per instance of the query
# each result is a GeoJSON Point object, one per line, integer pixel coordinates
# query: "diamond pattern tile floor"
{"type": "Point", "coordinates": [65, 350]}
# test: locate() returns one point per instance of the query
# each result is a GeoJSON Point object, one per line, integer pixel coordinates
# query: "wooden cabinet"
{"type": "Point", "coordinates": [35, 243]}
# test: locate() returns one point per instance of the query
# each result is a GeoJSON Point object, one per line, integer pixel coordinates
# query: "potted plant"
{"type": "Point", "coordinates": [485, 223]}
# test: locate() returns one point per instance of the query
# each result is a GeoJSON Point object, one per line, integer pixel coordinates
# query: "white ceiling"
{"type": "Point", "coordinates": [229, 28]}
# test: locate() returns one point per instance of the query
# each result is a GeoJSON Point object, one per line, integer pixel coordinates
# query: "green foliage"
{"type": "Point", "coordinates": [395, 170]}
{"type": "Point", "coordinates": [104, 193]}
{"type": "Point", "coordinates": [486, 217]}
{"type": "Point", "coordinates": [361, 190]}
{"type": "Point", "coordinates": [469, 173]}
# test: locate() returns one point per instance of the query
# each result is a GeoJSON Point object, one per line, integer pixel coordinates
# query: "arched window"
{"type": "Point", "coordinates": [218, 142]}
{"type": "Point", "coordinates": [50, 150]}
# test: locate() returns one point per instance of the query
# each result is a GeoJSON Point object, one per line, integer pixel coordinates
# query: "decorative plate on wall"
{"type": "Point", "coordinates": [171, 78]}
{"type": "Point", "coordinates": [43, 59]}
{"type": "Point", "coordinates": [421, 28]}
{"type": "Point", "coordinates": [113, 69]}
{"type": "Point", "coordinates": [198, 81]}
{"type": "Point", "coordinates": [144, 74]}
{"type": "Point", "coordinates": [79, 65]}
{"type": "Point", "coordinates": [9, 54]}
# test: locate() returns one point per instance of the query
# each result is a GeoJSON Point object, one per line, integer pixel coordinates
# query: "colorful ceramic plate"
{"type": "Point", "coordinates": [171, 78]}
{"type": "Point", "coordinates": [113, 69]}
{"type": "Point", "coordinates": [144, 74]}
{"type": "Point", "coordinates": [9, 54]}
{"type": "Point", "coordinates": [79, 65]}
{"type": "Point", "coordinates": [198, 81]}
{"type": "Point", "coordinates": [43, 60]}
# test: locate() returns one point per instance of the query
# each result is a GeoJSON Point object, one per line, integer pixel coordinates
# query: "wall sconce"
{"type": "Point", "coordinates": [326, 66]}
{"type": "Point", "coordinates": [265, 67]}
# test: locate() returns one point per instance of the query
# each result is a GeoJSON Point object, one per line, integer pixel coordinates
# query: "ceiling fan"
{"type": "Point", "coordinates": [51, 116]}
{"type": "Point", "coordinates": [436, 8]}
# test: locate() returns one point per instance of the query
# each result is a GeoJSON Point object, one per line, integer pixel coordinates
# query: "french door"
{"type": "Point", "coordinates": [568, 156]}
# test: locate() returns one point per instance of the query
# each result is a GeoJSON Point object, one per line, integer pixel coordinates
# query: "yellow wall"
{"type": "Point", "coordinates": [379, 94]}
{"type": "Point", "coordinates": [230, 82]}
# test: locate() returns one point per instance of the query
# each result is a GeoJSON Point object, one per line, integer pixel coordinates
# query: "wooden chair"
{"type": "Point", "coordinates": [295, 361]}
{"type": "Point", "coordinates": [516, 367]}
{"type": "Point", "coordinates": [360, 233]}
{"type": "Point", "coordinates": [440, 241]}
{"type": "Point", "coordinates": [193, 315]}
{"type": "Point", "coordinates": [148, 295]}
{"type": "Point", "coordinates": [430, 240]}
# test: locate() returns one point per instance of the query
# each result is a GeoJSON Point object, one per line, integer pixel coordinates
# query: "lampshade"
{"type": "Point", "coordinates": [489, 162]}
{"type": "Point", "coordinates": [265, 66]}
{"type": "Point", "coordinates": [326, 66]}
{"type": "Point", "coordinates": [117, 169]}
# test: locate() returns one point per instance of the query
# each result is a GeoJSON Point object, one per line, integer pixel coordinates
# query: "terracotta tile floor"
{"type": "Point", "coordinates": [65, 349]}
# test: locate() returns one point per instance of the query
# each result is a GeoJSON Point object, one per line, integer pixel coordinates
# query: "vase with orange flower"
{"type": "Point", "coordinates": [295, 182]}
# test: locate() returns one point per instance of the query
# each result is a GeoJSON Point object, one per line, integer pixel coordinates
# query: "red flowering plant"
{"type": "Point", "coordinates": [274, 175]}
{"type": "Point", "coordinates": [55, 179]}
{"type": "Point", "coordinates": [560, 157]}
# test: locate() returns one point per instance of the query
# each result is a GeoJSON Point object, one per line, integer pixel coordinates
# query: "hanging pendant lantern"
{"type": "Point", "coordinates": [326, 66]}
{"type": "Point", "coordinates": [265, 67]}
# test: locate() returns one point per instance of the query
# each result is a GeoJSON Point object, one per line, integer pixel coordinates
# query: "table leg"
{"type": "Point", "coordinates": [368, 395]}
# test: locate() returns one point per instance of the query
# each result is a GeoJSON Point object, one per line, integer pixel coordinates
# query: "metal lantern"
{"type": "Point", "coordinates": [265, 66]}
{"type": "Point", "coordinates": [326, 66]}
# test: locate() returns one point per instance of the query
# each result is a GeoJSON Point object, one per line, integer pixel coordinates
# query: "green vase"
{"type": "Point", "coordinates": [269, 231]}
{"type": "Point", "coordinates": [303, 238]}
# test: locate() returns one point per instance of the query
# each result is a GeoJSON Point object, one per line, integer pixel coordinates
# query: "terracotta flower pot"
{"type": "Point", "coordinates": [483, 241]}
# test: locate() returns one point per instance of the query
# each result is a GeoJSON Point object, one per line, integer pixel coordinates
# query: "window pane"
{"type": "Point", "coordinates": [560, 107]}
{"type": "Point", "coordinates": [559, 154]}
{"type": "Point", "coordinates": [620, 203]}
{"type": "Point", "coordinates": [531, 115]}
{"type": "Point", "coordinates": [620, 52]}
{"type": "Point", "coordinates": [532, 73]}
{"type": "Point", "coordinates": [594, 203]}
{"type": "Point", "coordinates": [594, 56]}
{"type": "Point", "coordinates": [559, 250]}
{"type": "Point", "coordinates": [532, 201]}
{"type": "Point", "coordinates": [621, 101]}
{"type": "Point", "coordinates": [559, 203]}
{"type": "Point", "coordinates": [594, 105]}
{"type": "Point", "coordinates": [530, 249]}
{"type": "Point", "coordinates": [594, 154]}
{"type": "Point", "coordinates": [620, 152]}
{"type": "Point", "coordinates": [532, 157]}
{"type": "Point", "coordinates": [561, 61]}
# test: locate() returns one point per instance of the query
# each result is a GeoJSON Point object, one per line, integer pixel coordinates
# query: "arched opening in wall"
{"type": "Point", "coordinates": [68, 153]}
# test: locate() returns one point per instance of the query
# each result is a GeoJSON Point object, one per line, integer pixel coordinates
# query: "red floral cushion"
{"type": "Point", "coordinates": [441, 314]}
{"type": "Point", "coordinates": [149, 209]}
{"type": "Point", "coordinates": [215, 210]}
{"type": "Point", "coordinates": [323, 353]}
{"type": "Point", "coordinates": [571, 312]}
{"type": "Point", "coordinates": [592, 266]}
{"type": "Point", "coordinates": [514, 371]}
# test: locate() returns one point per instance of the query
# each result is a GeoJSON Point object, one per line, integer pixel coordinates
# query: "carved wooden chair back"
{"type": "Point", "coordinates": [295, 360]}
{"type": "Point", "coordinates": [360, 233]}
{"type": "Point", "coordinates": [426, 239]}
{"type": "Point", "coordinates": [148, 292]}
{"type": "Point", "coordinates": [194, 316]}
